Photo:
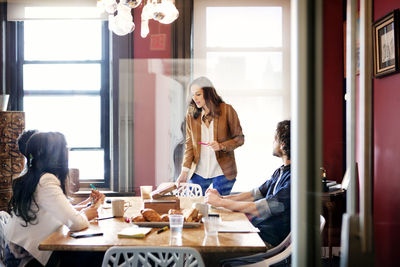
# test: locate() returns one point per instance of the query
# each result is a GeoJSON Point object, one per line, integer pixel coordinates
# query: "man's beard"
{"type": "Point", "coordinates": [277, 153]}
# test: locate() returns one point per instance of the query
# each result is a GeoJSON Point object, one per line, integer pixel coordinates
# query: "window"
{"type": "Point", "coordinates": [64, 69]}
{"type": "Point", "coordinates": [244, 48]}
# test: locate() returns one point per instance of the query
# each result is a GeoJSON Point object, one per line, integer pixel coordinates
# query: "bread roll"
{"type": "Point", "coordinates": [172, 211]}
{"type": "Point", "coordinates": [165, 218]}
{"type": "Point", "coordinates": [151, 215]}
{"type": "Point", "coordinates": [190, 214]}
{"type": "Point", "coordinates": [138, 218]}
{"type": "Point", "coordinates": [199, 217]}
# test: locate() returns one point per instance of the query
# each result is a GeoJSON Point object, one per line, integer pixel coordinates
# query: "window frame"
{"type": "Point", "coordinates": [104, 95]}
{"type": "Point", "coordinates": [200, 48]}
{"type": "Point", "coordinates": [200, 52]}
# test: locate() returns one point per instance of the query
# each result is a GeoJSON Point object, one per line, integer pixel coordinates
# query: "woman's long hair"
{"type": "Point", "coordinates": [210, 95]}
{"type": "Point", "coordinates": [47, 153]}
{"type": "Point", "coordinates": [23, 140]}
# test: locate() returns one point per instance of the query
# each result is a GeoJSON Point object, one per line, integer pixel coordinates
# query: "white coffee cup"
{"type": "Point", "coordinates": [117, 206]}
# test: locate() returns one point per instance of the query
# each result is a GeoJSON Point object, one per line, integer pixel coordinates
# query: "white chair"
{"type": "Point", "coordinates": [185, 189]}
{"type": "Point", "coordinates": [282, 251]}
{"type": "Point", "coordinates": [152, 256]}
{"type": "Point", "coordinates": [4, 217]}
{"type": "Point", "coordinates": [189, 190]}
{"type": "Point", "coordinates": [269, 254]}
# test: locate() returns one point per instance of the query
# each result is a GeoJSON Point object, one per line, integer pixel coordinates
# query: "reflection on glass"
{"type": "Point", "coordinates": [175, 240]}
{"type": "Point", "coordinates": [259, 109]}
{"type": "Point", "coordinates": [77, 117]}
{"type": "Point", "coordinates": [62, 40]}
{"type": "Point", "coordinates": [259, 134]}
{"type": "Point", "coordinates": [62, 77]}
{"type": "Point", "coordinates": [211, 240]}
{"type": "Point", "coordinates": [89, 163]}
{"type": "Point", "coordinates": [246, 70]}
{"type": "Point", "coordinates": [257, 26]}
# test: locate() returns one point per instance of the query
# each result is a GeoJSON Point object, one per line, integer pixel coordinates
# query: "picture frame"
{"type": "Point", "coordinates": [386, 44]}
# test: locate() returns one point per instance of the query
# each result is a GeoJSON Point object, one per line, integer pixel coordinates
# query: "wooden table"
{"type": "Point", "coordinates": [225, 245]}
{"type": "Point", "coordinates": [333, 207]}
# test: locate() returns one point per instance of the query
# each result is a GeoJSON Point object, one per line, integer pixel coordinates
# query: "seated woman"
{"type": "Point", "coordinates": [23, 140]}
{"type": "Point", "coordinates": [39, 205]}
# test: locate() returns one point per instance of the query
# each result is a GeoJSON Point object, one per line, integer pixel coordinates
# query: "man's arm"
{"type": "Point", "coordinates": [233, 202]}
{"type": "Point", "coordinates": [244, 196]}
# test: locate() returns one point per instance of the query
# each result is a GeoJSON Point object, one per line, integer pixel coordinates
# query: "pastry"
{"type": "Point", "coordinates": [151, 215]}
{"type": "Point", "coordinates": [172, 211]}
{"type": "Point", "coordinates": [190, 214]}
{"type": "Point", "coordinates": [138, 218]}
{"type": "Point", "coordinates": [165, 218]}
{"type": "Point", "coordinates": [199, 217]}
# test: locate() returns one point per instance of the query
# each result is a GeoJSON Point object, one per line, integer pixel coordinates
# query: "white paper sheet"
{"type": "Point", "coordinates": [237, 227]}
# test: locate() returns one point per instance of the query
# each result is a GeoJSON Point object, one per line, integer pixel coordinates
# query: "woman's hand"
{"type": "Point", "coordinates": [216, 146]}
{"type": "Point", "coordinates": [97, 196]}
{"type": "Point", "coordinates": [182, 178]}
{"type": "Point", "coordinates": [91, 212]}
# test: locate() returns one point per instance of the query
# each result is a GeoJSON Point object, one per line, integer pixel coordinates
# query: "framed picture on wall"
{"type": "Point", "coordinates": [386, 44]}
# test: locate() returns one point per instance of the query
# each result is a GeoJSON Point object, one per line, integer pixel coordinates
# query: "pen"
{"type": "Point", "coordinates": [94, 188]}
{"type": "Point", "coordinates": [105, 218]}
{"type": "Point", "coordinates": [165, 228]}
{"type": "Point", "coordinates": [200, 143]}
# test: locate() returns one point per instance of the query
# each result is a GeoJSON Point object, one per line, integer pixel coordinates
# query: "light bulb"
{"type": "Point", "coordinates": [147, 11]}
{"type": "Point", "coordinates": [133, 3]}
{"type": "Point", "coordinates": [122, 23]}
{"type": "Point", "coordinates": [110, 6]}
{"type": "Point", "coordinates": [165, 12]}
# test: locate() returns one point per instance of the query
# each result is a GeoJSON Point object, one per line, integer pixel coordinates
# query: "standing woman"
{"type": "Point", "coordinates": [213, 131]}
{"type": "Point", "coordinates": [39, 205]}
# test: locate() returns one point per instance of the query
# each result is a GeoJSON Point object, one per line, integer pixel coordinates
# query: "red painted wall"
{"type": "Point", "coordinates": [386, 157]}
{"type": "Point", "coordinates": [141, 45]}
{"type": "Point", "coordinates": [333, 90]}
{"type": "Point", "coordinates": [144, 99]}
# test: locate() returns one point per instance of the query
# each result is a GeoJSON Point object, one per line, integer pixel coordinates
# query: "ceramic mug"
{"type": "Point", "coordinates": [117, 206]}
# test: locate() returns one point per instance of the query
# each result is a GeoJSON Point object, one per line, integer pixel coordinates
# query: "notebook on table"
{"type": "Point", "coordinates": [134, 232]}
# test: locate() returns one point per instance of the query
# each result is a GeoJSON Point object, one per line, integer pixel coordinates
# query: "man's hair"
{"type": "Point", "coordinates": [283, 135]}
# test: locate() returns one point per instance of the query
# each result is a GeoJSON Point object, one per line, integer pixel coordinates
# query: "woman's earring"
{"type": "Point", "coordinates": [30, 160]}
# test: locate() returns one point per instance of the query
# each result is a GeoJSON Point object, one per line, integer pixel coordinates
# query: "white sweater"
{"type": "Point", "coordinates": [54, 211]}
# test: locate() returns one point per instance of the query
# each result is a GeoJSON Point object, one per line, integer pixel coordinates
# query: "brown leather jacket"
{"type": "Point", "coordinates": [227, 131]}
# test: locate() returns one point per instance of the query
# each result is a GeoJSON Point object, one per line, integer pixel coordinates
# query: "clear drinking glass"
{"type": "Point", "coordinates": [211, 223]}
{"type": "Point", "coordinates": [176, 225]}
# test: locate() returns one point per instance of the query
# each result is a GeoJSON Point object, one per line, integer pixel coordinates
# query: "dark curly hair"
{"type": "Point", "coordinates": [283, 135]}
